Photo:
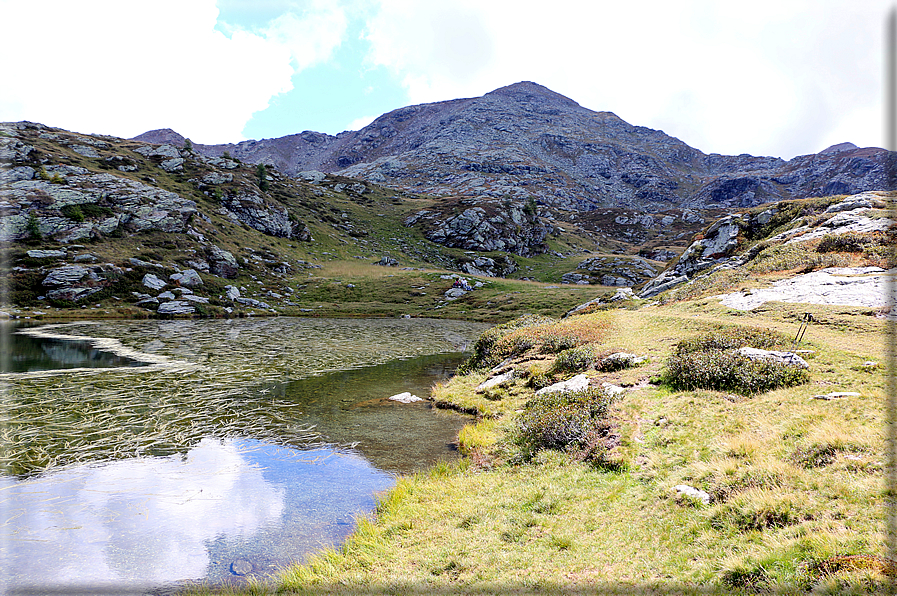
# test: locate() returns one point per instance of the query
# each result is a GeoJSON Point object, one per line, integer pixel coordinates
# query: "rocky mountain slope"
{"type": "Point", "coordinates": [137, 229]}
{"type": "Point", "coordinates": [525, 141]}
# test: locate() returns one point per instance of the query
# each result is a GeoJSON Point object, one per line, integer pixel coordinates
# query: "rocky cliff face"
{"type": "Point", "coordinates": [525, 141]}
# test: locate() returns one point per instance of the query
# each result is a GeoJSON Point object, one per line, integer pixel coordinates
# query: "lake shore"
{"type": "Point", "coordinates": [792, 478]}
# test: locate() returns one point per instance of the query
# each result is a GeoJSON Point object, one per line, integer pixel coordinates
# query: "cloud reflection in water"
{"type": "Point", "coordinates": [153, 521]}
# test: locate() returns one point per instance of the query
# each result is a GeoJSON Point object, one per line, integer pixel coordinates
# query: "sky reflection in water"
{"type": "Point", "coordinates": [154, 521]}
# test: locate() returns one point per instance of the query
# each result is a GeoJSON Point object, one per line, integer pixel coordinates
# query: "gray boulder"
{"type": "Point", "coordinates": [387, 261]}
{"type": "Point", "coordinates": [260, 214]}
{"type": "Point", "coordinates": [19, 173]}
{"type": "Point", "coordinates": [489, 267]}
{"type": "Point", "coordinates": [175, 307]}
{"type": "Point", "coordinates": [187, 278]}
{"type": "Point", "coordinates": [72, 293]}
{"type": "Point", "coordinates": [577, 383]}
{"type": "Point", "coordinates": [789, 358]}
{"type": "Point", "coordinates": [166, 151]}
{"type": "Point", "coordinates": [47, 254]}
{"type": "Point", "coordinates": [152, 282]}
{"type": "Point", "coordinates": [496, 380]}
{"type": "Point", "coordinates": [66, 275]}
{"type": "Point", "coordinates": [489, 226]}
{"type": "Point", "coordinates": [232, 292]}
{"type": "Point", "coordinates": [172, 165]}
{"type": "Point", "coordinates": [217, 178]}
{"type": "Point", "coordinates": [252, 302]}
{"type": "Point", "coordinates": [221, 262]}
{"type": "Point", "coordinates": [619, 360]}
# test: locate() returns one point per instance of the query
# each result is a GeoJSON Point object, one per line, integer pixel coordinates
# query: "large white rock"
{"type": "Point", "coordinates": [66, 275]}
{"type": "Point", "coordinates": [152, 282]}
{"type": "Point", "coordinates": [176, 307]}
{"type": "Point", "coordinates": [866, 287]}
{"type": "Point", "coordinates": [694, 493]}
{"type": "Point", "coordinates": [775, 356]}
{"type": "Point", "coordinates": [188, 278]}
{"type": "Point", "coordinates": [577, 383]}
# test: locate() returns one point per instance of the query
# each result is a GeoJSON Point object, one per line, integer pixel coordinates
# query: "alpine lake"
{"type": "Point", "coordinates": [143, 456]}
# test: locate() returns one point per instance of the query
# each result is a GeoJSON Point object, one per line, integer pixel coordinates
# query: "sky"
{"type": "Point", "coordinates": [765, 77]}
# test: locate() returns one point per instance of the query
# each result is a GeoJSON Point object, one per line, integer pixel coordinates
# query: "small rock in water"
{"type": "Point", "coordinates": [405, 398]}
{"type": "Point", "coordinates": [241, 567]}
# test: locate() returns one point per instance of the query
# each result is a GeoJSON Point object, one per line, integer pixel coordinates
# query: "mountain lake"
{"type": "Point", "coordinates": [142, 456]}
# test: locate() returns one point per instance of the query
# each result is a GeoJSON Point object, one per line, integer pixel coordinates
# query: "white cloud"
{"type": "Point", "coordinates": [361, 122]}
{"type": "Point", "coordinates": [763, 77]}
{"type": "Point", "coordinates": [122, 68]}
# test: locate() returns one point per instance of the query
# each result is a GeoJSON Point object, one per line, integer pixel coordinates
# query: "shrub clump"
{"type": "Point", "coordinates": [710, 361]}
{"type": "Point", "coordinates": [574, 360]}
{"type": "Point", "coordinates": [486, 349]}
{"type": "Point", "coordinates": [850, 242]}
{"type": "Point", "coordinates": [731, 338]}
{"type": "Point", "coordinates": [574, 421]}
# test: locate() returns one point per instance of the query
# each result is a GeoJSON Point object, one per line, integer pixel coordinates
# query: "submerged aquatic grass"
{"type": "Point", "coordinates": [223, 379]}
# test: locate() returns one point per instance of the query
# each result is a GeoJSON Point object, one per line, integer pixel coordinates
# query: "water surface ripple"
{"type": "Point", "coordinates": [244, 444]}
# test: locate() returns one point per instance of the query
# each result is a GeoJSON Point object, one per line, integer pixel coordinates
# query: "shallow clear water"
{"type": "Point", "coordinates": [216, 462]}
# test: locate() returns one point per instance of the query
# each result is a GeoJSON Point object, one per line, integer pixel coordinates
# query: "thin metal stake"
{"type": "Point", "coordinates": [805, 322]}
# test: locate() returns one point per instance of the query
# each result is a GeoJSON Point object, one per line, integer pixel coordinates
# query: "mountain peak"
{"type": "Point", "coordinates": [838, 148]}
{"type": "Point", "coordinates": [161, 136]}
{"type": "Point", "coordinates": [529, 91]}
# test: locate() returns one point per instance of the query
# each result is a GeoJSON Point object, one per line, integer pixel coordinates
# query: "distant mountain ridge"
{"type": "Point", "coordinates": [525, 141]}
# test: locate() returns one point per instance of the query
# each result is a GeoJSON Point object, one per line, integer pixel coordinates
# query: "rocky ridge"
{"type": "Point", "coordinates": [856, 225]}
{"type": "Point", "coordinates": [525, 141]}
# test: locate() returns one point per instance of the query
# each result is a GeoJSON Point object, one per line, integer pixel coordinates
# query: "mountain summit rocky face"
{"type": "Point", "coordinates": [525, 141]}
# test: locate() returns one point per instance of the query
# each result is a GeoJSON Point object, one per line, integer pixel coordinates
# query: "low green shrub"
{"type": "Point", "coordinates": [562, 421]}
{"type": "Point", "coordinates": [757, 513]}
{"type": "Point", "coordinates": [32, 227]}
{"type": "Point", "coordinates": [94, 210]}
{"type": "Point", "coordinates": [486, 350]}
{"type": "Point", "coordinates": [710, 361]}
{"type": "Point", "coordinates": [574, 360]}
{"type": "Point", "coordinates": [554, 343]}
{"type": "Point", "coordinates": [729, 338]}
{"type": "Point", "coordinates": [729, 371]}
{"type": "Point", "coordinates": [73, 212]}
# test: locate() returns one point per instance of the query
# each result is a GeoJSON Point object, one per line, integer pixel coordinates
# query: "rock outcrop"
{"type": "Point", "coordinates": [484, 225]}
{"type": "Point", "coordinates": [722, 245]}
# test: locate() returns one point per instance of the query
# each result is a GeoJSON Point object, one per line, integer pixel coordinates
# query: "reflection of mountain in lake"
{"type": "Point", "coordinates": [27, 354]}
{"type": "Point", "coordinates": [353, 407]}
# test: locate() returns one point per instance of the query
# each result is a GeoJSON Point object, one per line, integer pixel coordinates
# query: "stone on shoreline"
{"type": "Point", "coordinates": [497, 380]}
{"type": "Point", "coordinates": [577, 383]}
